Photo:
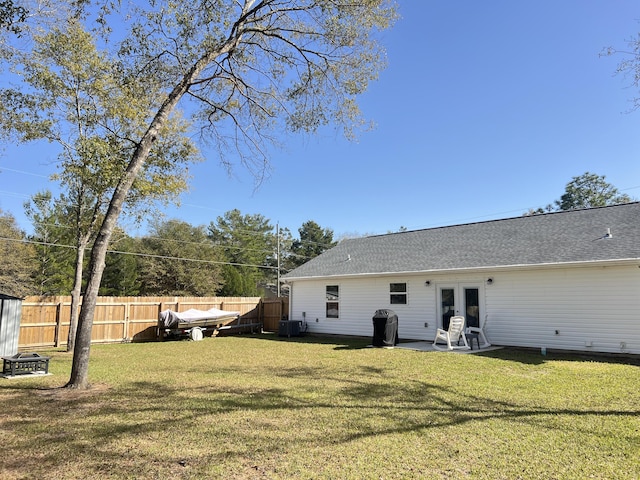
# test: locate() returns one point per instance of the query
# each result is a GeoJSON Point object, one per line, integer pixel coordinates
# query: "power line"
{"type": "Point", "coordinates": [206, 242]}
{"type": "Point", "coordinates": [235, 230]}
{"type": "Point", "coordinates": [136, 254]}
{"type": "Point", "coordinates": [23, 172]}
{"type": "Point", "coordinates": [13, 194]}
{"type": "Point", "coordinates": [167, 257]}
{"type": "Point", "coordinates": [414, 227]}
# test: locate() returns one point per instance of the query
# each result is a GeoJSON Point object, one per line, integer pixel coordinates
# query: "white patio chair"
{"type": "Point", "coordinates": [452, 336]}
{"type": "Point", "coordinates": [481, 335]}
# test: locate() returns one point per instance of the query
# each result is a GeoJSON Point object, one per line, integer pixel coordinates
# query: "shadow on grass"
{"type": "Point", "coordinates": [143, 427]}
{"type": "Point", "coordinates": [95, 430]}
{"type": "Point", "coordinates": [340, 342]}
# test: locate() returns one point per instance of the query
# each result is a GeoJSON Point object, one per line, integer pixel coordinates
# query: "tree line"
{"type": "Point", "coordinates": [234, 255]}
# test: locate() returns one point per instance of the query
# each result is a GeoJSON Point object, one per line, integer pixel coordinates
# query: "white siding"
{"type": "Point", "coordinates": [359, 299]}
{"type": "Point", "coordinates": [592, 308]}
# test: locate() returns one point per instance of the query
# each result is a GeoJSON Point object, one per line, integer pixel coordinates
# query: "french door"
{"type": "Point", "coordinates": [462, 299]}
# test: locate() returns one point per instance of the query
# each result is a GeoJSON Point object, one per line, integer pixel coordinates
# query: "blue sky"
{"type": "Point", "coordinates": [486, 109]}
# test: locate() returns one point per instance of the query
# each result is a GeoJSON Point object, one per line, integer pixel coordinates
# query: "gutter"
{"type": "Point", "coordinates": [492, 268]}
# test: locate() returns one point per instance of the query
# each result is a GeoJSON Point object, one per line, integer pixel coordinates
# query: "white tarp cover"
{"type": "Point", "coordinates": [170, 319]}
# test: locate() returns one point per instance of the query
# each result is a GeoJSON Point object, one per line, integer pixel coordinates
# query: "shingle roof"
{"type": "Point", "coordinates": [562, 237]}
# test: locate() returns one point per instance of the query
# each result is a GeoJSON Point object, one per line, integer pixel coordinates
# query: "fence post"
{"type": "Point", "coordinates": [127, 325]}
{"type": "Point", "coordinates": [56, 335]}
{"type": "Point", "coordinates": [159, 334]}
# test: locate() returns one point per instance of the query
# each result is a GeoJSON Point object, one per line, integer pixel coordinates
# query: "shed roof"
{"type": "Point", "coordinates": [569, 237]}
{"type": "Point", "coordinates": [4, 296]}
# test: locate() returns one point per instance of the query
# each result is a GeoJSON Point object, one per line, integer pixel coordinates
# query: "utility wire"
{"type": "Point", "coordinates": [206, 242]}
{"type": "Point", "coordinates": [136, 254]}
{"type": "Point", "coordinates": [413, 227]}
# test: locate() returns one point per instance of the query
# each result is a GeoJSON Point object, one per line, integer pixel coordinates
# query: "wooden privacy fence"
{"type": "Point", "coordinates": [45, 321]}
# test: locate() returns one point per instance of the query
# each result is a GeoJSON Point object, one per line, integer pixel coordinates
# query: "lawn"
{"type": "Point", "coordinates": [260, 406]}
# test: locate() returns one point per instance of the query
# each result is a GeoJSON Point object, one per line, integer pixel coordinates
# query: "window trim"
{"type": "Point", "coordinates": [395, 294]}
{"type": "Point", "coordinates": [334, 302]}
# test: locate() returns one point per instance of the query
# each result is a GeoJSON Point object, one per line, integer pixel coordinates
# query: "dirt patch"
{"type": "Point", "coordinates": [70, 394]}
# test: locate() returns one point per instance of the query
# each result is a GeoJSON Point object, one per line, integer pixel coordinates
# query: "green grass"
{"type": "Point", "coordinates": [258, 406]}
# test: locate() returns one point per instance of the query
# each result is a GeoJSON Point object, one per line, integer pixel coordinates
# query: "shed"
{"type": "Point", "coordinates": [10, 313]}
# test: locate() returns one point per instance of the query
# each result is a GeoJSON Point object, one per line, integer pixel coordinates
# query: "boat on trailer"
{"type": "Point", "coordinates": [194, 324]}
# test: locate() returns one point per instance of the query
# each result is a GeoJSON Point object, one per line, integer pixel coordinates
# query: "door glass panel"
{"type": "Point", "coordinates": [448, 303]}
{"type": "Point", "coordinates": [472, 307]}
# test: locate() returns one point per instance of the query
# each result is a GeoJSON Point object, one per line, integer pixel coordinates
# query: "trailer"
{"type": "Point", "coordinates": [194, 324]}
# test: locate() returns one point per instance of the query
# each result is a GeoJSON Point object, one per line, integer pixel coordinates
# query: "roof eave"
{"type": "Point", "coordinates": [491, 268]}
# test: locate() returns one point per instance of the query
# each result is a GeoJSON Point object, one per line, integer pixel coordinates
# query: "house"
{"type": "Point", "coordinates": [565, 280]}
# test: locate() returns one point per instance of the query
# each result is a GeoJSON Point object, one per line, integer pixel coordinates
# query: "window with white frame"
{"type": "Point", "coordinates": [333, 301]}
{"type": "Point", "coordinates": [398, 293]}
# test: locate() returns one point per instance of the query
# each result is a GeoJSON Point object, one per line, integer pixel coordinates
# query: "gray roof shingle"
{"type": "Point", "coordinates": [562, 237]}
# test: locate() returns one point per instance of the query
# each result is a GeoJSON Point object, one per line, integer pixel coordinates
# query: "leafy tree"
{"type": "Point", "coordinates": [252, 69]}
{"type": "Point", "coordinates": [65, 227]}
{"type": "Point", "coordinates": [590, 190]}
{"type": "Point", "coordinates": [282, 262]}
{"type": "Point", "coordinates": [66, 66]}
{"type": "Point", "coordinates": [53, 238]}
{"type": "Point", "coordinates": [537, 211]}
{"type": "Point", "coordinates": [122, 270]}
{"type": "Point", "coordinates": [234, 281]}
{"type": "Point", "coordinates": [629, 65]}
{"type": "Point", "coordinates": [585, 191]}
{"type": "Point", "coordinates": [18, 259]}
{"type": "Point", "coordinates": [179, 260]}
{"type": "Point", "coordinates": [312, 242]}
{"type": "Point", "coordinates": [249, 245]}
{"type": "Point", "coordinates": [11, 16]}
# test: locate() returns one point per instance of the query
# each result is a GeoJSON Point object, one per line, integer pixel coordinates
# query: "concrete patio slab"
{"type": "Point", "coordinates": [428, 347]}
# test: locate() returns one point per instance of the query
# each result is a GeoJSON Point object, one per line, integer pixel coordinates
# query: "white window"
{"type": "Point", "coordinates": [398, 293]}
{"type": "Point", "coordinates": [333, 301]}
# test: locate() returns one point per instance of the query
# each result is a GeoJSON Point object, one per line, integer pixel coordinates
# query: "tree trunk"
{"type": "Point", "coordinates": [80, 368]}
{"type": "Point", "coordinates": [75, 296]}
